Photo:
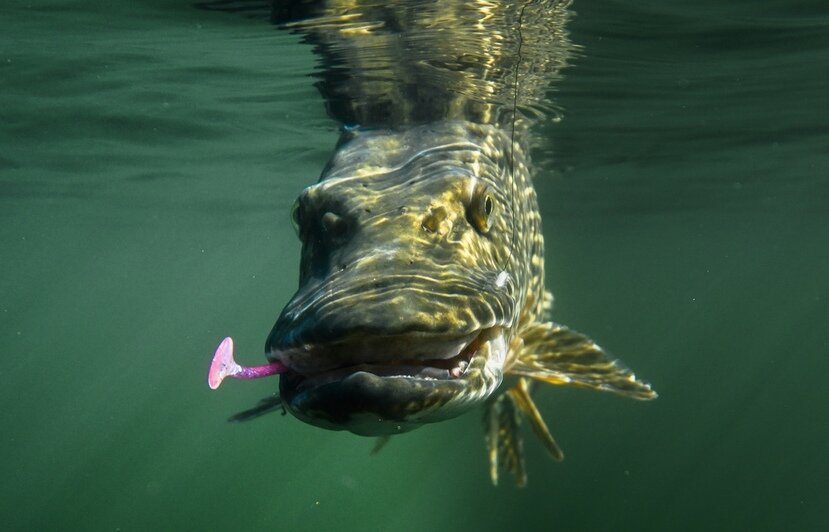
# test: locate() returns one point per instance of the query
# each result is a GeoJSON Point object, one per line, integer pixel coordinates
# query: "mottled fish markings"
{"type": "Point", "coordinates": [421, 291]}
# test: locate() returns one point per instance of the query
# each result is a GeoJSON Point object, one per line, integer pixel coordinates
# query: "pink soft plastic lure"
{"type": "Point", "coordinates": [224, 365]}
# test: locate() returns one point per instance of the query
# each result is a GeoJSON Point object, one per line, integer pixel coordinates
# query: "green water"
{"type": "Point", "coordinates": [149, 156]}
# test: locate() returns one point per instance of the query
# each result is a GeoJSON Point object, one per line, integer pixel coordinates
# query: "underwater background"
{"type": "Point", "coordinates": [150, 153]}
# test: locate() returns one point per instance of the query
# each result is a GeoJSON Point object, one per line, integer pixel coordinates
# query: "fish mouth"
{"type": "Point", "coordinates": [386, 395]}
{"type": "Point", "coordinates": [413, 368]}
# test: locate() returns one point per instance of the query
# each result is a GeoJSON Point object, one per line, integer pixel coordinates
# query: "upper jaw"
{"type": "Point", "coordinates": [346, 320]}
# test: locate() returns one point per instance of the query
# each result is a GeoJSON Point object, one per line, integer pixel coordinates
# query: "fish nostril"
{"type": "Point", "coordinates": [333, 224]}
{"type": "Point", "coordinates": [433, 221]}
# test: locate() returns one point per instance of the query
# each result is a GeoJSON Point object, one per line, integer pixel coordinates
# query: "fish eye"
{"type": "Point", "coordinates": [481, 209]}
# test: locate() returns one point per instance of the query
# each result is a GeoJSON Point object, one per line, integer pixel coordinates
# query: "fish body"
{"type": "Point", "coordinates": [422, 287]}
{"type": "Point", "coordinates": [421, 293]}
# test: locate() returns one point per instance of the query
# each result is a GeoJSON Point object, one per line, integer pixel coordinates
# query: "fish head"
{"type": "Point", "coordinates": [406, 296]}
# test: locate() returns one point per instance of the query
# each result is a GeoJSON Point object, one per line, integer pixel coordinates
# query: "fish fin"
{"type": "Point", "coordinates": [379, 443]}
{"type": "Point", "coordinates": [554, 354]}
{"type": "Point", "coordinates": [520, 395]}
{"type": "Point", "coordinates": [503, 438]}
{"type": "Point", "coordinates": [264, 406]}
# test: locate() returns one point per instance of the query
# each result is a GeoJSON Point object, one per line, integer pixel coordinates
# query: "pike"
{"type": "Point", "coordinates": [421, 293]}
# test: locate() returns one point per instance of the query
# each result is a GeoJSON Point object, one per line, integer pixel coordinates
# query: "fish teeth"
{"type": "Point", "coordinates": [458, 370]}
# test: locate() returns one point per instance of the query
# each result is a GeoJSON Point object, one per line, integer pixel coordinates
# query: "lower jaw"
{"type": "Point", "coordinates": [370, 405]}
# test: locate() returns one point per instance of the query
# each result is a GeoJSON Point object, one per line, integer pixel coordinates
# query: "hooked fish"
{"type": "Point", "coordinates": [422, 291]}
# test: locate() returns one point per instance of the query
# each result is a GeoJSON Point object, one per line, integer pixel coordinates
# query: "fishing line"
{"type": "Point", "coordinates": [501, 279]}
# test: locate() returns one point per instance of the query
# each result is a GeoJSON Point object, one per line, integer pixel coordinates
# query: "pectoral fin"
{"type": "Point", "coordinates": [554, 354]}
{"type": "Point", "coordinates": [265, 406]}
{"type": "Point", "coordinates": [379, 443]}
{"type": "Point", "coordinates": [503, 438]}
{"type": "Point", "coordinates": [520, 395]}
